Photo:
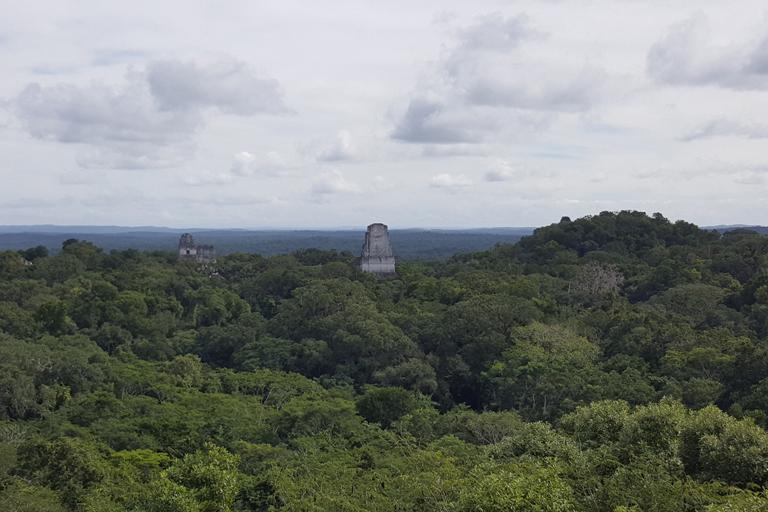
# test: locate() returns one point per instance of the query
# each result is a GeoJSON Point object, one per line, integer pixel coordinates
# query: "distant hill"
{"type": "Point", "coordinates": [407, 243]}
{"type": "Point", "coordinates": [724, 229]}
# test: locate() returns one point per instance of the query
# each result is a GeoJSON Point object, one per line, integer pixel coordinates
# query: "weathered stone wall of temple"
{"type": "Point", "coordinates": [377, 256]}
{"type": "Point", "coordinates": [206, 253]}
{"type": "Point", "coordinates": [188, 251]}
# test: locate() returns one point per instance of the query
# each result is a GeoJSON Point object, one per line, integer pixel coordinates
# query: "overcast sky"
{"type": "Point", "coordinates": [341, 113]}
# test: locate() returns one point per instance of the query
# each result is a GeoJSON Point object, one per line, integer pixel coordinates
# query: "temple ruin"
{"type": "Point", "coordinates": [377, 257]}
{"type": "Point", "coordinates": [188, 251]}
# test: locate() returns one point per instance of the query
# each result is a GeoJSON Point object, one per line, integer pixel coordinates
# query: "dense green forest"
{"type": "Point", "coordinates": [612, 363]}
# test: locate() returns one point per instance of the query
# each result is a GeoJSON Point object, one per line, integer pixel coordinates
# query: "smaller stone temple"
{"type": "Point", "coordinates": [188, 251]}
{"type": "Point", "coordinates": [377, 257]}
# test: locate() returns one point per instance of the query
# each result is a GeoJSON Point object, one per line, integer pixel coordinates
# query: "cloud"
{"type": "Point", "coordinates": [708, 168]}
{"type": "Point", "coordinates": [686, 56]}
{"type": "Point", "coordinates": [485, 84]}
{"type": "Point", "coordinates": [232, 87]}
{"type": "Point", "coordinates": [139, 124]}
{"type": "Point", "coordinates": [54, 70]}
{"type": "Point", "coordinates": [99, 114]}
{"type": "Point", "coordinates": [109, 57]}
{"type": "Point", "coordinates": [340, 149]}
{"type": "Point", "coordinates": [444, 16]}
{"type": "Point", "coordinates": [725, 127]}
{"type": "Point", "coordinates": [136, 157]}
{"type": "Point", "coordinates": [246, 163]}
{"type": "Point", "coordinates": [450, 181]}
{"type": "Point", "coordinates": [32, 203]}
{"type": "Point", "coordinates": [487, 67]}
{"type": "Point", "coordinates": [501, 170]}
{"type": "Point", "coordinates": [576, 91]}
{"type": "Point", "coordinates": [750, 178]}
{"type": "Point", "coordinates": [122, 125]}
{"type": "Point", "coordinates": [741, 173]}
{"type": "Point", "coordinates": [427, 122]}
{"type": "Point", "coordinates": [228, 200]}
{"type": "Point", "coordinates": [495, 32]}
{"type": "Point", "coordinates": [381, 184]}
{"type": "Point", "coordinates": [447, 150]}
{"type": "Point", "coordinates": [332, 182]}
{"type": "Point", "coordinates": [758, 60]}
{"type": "Point", "coordinates": [207, 178]}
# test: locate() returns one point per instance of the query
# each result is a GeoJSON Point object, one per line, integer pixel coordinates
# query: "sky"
{"type": "Point", "coordinates": [289, 114]}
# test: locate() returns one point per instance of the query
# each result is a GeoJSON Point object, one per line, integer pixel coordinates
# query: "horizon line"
{"type": "Point", "coordinates": [257, 228]}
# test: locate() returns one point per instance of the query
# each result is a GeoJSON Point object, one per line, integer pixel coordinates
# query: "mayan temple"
{"type": "Point", "coordinates": [377, 257]}
{"type": "Point", "coordinates": [188, 251]}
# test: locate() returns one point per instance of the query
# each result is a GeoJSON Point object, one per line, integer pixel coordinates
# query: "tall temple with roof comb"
{"type": "Point", "coordinates": [377, 257]}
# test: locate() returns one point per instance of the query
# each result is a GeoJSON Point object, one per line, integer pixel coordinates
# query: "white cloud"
{"type": "Point", "coordinates": [428, 122]}
{"type": "Point", "coordinates": [750, 178]}
{"type": "Point", "coordinates": [246, 163]}
{"type": "Point", "coordinates": [449, 150]}
{"type": "Point", "coordinates": [332, 182]}
{"type": "Point", "coordinates": [98, 114]}
{"type": "Point", "coordinates": [486, 85]}
{"type": "Point", "coordinates": [688, 56]}
{"type": "Point", "coordinates": [450, 181]}
{"type": "Point", "coordinates": [122, 125]}
{"type": "Point", "coordinates": [574, 90]}
{"type": "Point", "coordinates": [233, 87]}
{"type": "Point", "coordinates": [150, 120]}
{"type": "Point", "coordinates": [341, 148]}
{"type": "Point", "coordinates": [501, 170]}
{"type": "Point", "coordinates": [726, 127]}
{"type": "Point", "coordinates": [381, 184]}
{"type": "Point", "coordinates": [136, 156]}
{"type": "Point", "coordinates": [207, 178]}
{"type": "Point", "coordinates": [496, 32]}
{"type": "Point", "coordinates": [109, 57]}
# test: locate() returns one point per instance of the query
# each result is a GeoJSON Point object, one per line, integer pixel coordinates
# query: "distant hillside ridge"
{"type": "Point", "coordinates": [407, 243]}
{"type": "Point", "coordinates": [623, 232]}
{"type": "Point", "coordinates": [763, 230]}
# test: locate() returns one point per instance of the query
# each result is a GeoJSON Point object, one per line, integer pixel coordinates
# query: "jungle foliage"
{"type": "Point", "coordinates": [612, 363]}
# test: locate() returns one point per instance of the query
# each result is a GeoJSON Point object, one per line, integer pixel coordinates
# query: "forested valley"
{"type": "Point", "coordinates": [614, 363]}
